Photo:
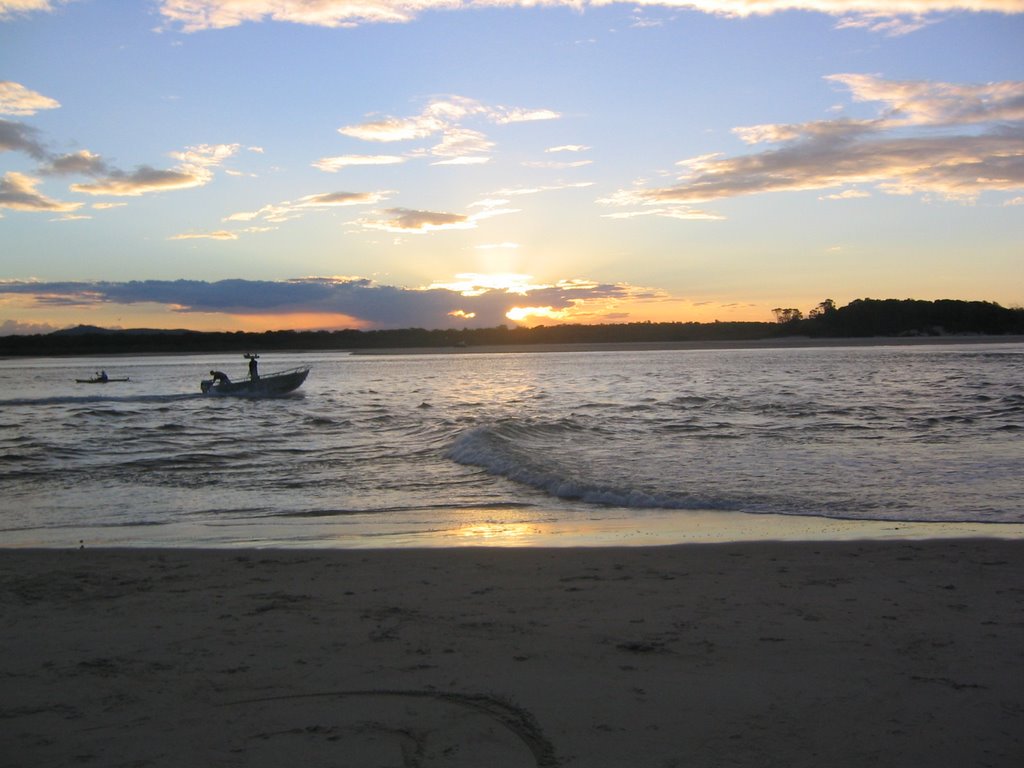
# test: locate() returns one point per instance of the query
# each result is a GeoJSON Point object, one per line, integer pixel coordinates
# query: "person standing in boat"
{"type": "Point", "coordinates": [254, 372]}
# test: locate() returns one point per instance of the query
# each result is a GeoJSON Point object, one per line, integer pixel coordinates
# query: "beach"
{"type": "Point", "coordinates": [842, 653]}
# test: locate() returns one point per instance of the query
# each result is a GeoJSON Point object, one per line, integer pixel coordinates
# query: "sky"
{"type": "Point", "coordinates": [325, 164]}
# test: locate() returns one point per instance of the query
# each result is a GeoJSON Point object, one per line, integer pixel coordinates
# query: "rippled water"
{"type": "Point", "coordinates": [430, 442]}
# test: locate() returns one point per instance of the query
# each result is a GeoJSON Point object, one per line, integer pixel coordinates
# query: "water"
{"type": "Point", "coordinates": [393, 450]}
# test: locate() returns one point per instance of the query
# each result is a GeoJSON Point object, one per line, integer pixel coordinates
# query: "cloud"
{"type": "Point", "coordinates": [343, 199]}
{"type": "Point", "coordinates": [506, 116]}
{"type": "Point", "coordinates": [141, 181]}
{"type": "Point", "coordinates": [194, 170]}
{"type": "Point", "coordinates": [409, 221]}
{"type": "Point", "coordinates": [924, 102]}
{"type": "Point", "coordinates": [931, 138]}
{"type": "Point", "coordinates": [415, 222]}
{"type": "Point", "coordinates": [18, 137]}
{"type": "Point", "coordinates": [464, 161]}
{"type": "Point", "coordinates": [513, 191]}
{"type": "Point", "coordinates": [10, 8]}
{"type": "Point", "coordinates": [18, 192]}
{"type": "Point", "coordinates": [889, 16]}
{"type": "Point", "coordinates": [557, 166]}
{"type": "Point", "coordinates": [681, 212]}
{"type": "Point", "coordinates": [17, 100]}
{"type": "Point", "coordinates": [82, 163]}
{"type": "Point", "coordinates": [221, 234]}
{"type": "Point", "coordinates": [335, 164]}
{"type": "Point", "coordinates": [478, 300]}
{"type": "Point", "coordinates": [18, 328]}
{"type": "Point", "coordinates": [568, 148]}
{"type": "Point", "coordinates": [846, 194]}
{"type": "Point", "coordinates": [204, 156]}
{"type": "Point", "coordinates": [886, 24]}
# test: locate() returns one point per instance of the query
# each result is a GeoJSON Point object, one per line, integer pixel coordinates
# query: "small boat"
{"type": "Point", "coordinates": [100, 380]}
{"type": "Point", "coordinates": [270, 385]}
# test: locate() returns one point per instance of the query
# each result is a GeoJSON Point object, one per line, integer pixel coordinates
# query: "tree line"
{"type": "Point", "coordinates": [901, 317]}
{"type": "Point", "coordinates": [859, 318]}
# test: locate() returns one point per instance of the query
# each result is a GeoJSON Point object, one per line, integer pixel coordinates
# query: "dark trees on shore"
{"type": "Point", "coordinates": [860, 318]}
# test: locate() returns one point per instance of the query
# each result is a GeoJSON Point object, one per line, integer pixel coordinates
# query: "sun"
{"type": "Point", "coordinates": [520, 314]}
{"type": "Point", "coordinates": [477, 284]}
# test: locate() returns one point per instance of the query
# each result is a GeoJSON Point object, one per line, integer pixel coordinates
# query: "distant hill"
{"type": "Point", "coordinates": [86, 330]}
{"type": "Point", "coordinates": [860, 318]}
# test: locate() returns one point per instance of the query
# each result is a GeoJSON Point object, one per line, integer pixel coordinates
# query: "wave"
{"type": "Point", "coordinates": [843, 479]}
{"type": "Point", "coordinates": [501, 450]}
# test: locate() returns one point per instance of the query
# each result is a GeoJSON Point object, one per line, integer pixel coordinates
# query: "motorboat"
{"type": "Point", "coordinates": [269, 385]}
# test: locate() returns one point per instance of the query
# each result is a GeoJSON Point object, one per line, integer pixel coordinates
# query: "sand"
{"type": "Point", "coordinates": [852, 653]}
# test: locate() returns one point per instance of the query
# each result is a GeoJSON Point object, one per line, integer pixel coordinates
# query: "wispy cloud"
{"type": "Point", "coordinates": [937, 139]}
{"type": "Point", "coordinates": [221, 234]}
{"type": "Point", "coordinates": [887, 16]}
{"type": "Point", "coordinates": [556, 165]}
{"type": "Point", "coordinates": [446, 118]}
{"type": "Point", "coordinates": [335, 164]}
{"type": "Point", "coordinates": [847, 194]}
{"type": "Point", "coordinates": [681, 212]}
{"type": "Point", "coordinates": [513, 191]}
{"type": "Point", "coordinates": [277, 213]}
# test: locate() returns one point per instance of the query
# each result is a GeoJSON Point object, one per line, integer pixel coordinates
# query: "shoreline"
{"type": "Point", "coordinates": [532, 529]}
{"type": "Point", "coordinates": [747, 654]}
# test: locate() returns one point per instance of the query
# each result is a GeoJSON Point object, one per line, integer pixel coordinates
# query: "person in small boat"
{"type": "Point", "coordinates": [254, 372]}
{"type": "Point", "coordinates": [219, 377]}
{"type": "Point", "coordinates": [102, 376]}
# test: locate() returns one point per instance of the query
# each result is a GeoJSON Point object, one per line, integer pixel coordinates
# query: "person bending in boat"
{"type": "Point", "coordinates": [219, 377]}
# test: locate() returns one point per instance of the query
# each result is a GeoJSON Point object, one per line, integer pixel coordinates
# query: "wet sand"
{"type": "Point", "coordinates": [850, 653]}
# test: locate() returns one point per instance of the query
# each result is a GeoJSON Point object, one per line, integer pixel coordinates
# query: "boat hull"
{"type": "Point", "coordinates": [271, 385]}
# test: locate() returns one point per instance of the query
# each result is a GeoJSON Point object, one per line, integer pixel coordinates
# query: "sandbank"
{"type": "Point", "coordinates": [841, 653]}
